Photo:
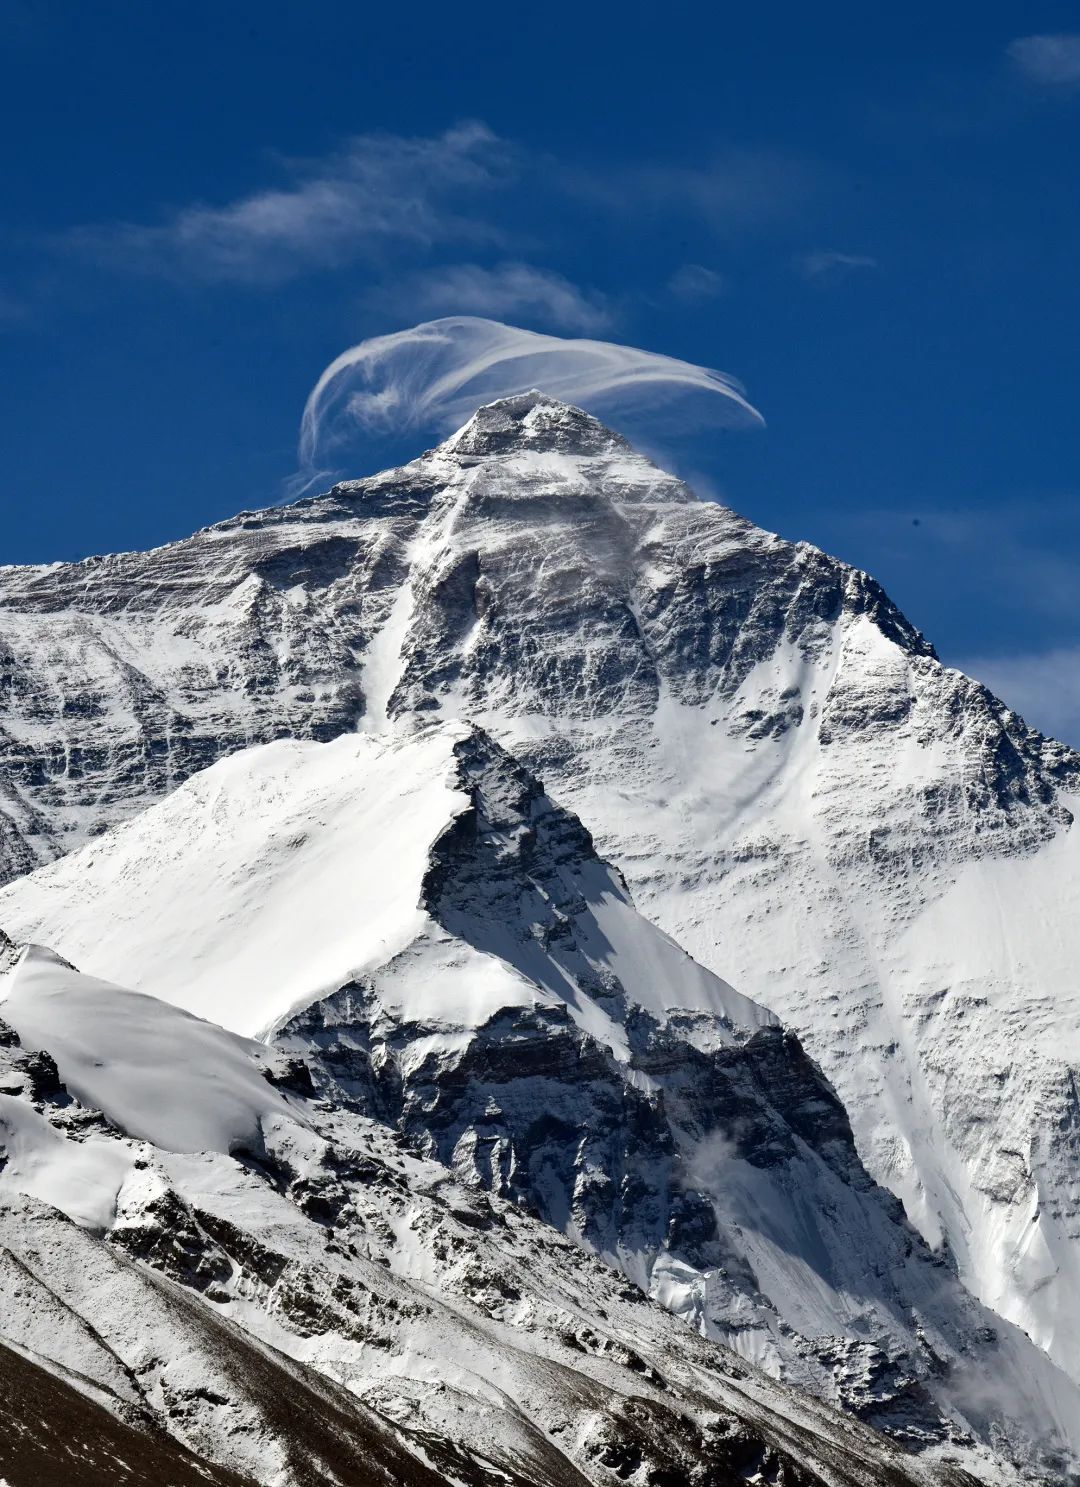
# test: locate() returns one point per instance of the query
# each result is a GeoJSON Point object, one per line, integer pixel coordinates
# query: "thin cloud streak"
{"type": "Point", "coordinates": [737, 188]}
{"type": "Point", "coordinates": [693, 283]}
{"type": "Point", "coordinates": [832, 266]}
{"type": "Point", "coordinates": [506, 290]}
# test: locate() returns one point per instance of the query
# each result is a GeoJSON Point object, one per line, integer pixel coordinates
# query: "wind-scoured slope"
{"type": "Point", "coordinates": [514, 1017]}
{"type": "Point", "coordinates": [293, 1301]}
{"type": "Point", "coordinates": [861, 839]}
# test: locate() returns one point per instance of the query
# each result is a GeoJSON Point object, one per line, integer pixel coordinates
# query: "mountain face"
{"type": "Point", "coordinates": [478, 981]}
{"type": "Point", "coordinates": [866, 842]}
{"type": "Point", "coordinates": [792, 786]}
{"type": "Point", "coordinates": [210, 1274]}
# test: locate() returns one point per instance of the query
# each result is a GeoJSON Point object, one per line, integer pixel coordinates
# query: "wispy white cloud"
{"type": "Point", "coordinates": [693, 282]}
{"type": "Point", "coordinates": [1052, 60]}
{"type": "Point", "coordinates": [384, 194]}
{"type": "Point", "coordinates": [377, 191]}
{"type": "Point", "coordinates": [505, 290]}
{"type": "Point", "coordinates": [831, 266]}
{"type": "Point", "coordinates": [1042, 686]}
{"type": "Point", "coordinates": [436, 374]}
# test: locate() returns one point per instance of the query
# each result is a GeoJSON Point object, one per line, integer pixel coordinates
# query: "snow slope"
{"type": "Point", "coordinates": [211, 1094]}
{"type": "Point", "coordinates": [287, 870]}
{"type": "Point", "coordinates": [264, 844]}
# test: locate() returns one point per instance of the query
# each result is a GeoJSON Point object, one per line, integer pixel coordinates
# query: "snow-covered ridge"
{"type": "Point", "coordinates": [286, 871]}
{"type": "Point", "coordinates": [277, 906]}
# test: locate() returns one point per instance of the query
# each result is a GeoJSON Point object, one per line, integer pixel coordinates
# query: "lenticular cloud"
{"type": "Point", "coordinates": [438, 373]}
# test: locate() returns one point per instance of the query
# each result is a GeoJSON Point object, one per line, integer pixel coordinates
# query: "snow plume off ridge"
{"type": "Point", "coordinates": [438, 372]}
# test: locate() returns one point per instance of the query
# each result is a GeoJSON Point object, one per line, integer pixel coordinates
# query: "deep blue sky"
{"type": "Point", "coordinates": [870, 216]}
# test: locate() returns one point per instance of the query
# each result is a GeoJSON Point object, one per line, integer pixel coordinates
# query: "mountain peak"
{"type": "Point", "coordinates": [535, 421]}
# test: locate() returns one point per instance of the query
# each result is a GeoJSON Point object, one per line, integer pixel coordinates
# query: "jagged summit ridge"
{"type": "Point", "coordinates": [533, 421]}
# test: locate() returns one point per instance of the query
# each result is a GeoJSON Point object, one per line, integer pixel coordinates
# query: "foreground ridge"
{"type": "Point", "coordinates": [480, 982]}
{"type": "Point", "coordinates": [298, 1301]}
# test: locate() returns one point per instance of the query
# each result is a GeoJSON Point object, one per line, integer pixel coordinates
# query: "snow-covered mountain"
{"type": "Point", "coordinates": [414, 920]}
{"type": "Point", "coordinates": [867, 843]}
{"type": "Point", "coordinates": [210, 1275]}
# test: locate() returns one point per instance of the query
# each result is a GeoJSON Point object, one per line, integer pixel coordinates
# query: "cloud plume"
{"type": "Point", "coordinates": [436, 374]}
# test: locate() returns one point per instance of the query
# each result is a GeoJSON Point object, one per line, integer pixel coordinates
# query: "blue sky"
{"type": "Point", "coordinates": [870, 218]}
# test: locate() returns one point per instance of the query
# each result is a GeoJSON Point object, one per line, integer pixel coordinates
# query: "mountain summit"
{"type": "Point", "coordinates": [533, 421]}
{"type": "Point", "coordinates": [862, 840]}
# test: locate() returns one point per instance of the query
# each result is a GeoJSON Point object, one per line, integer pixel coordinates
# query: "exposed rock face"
{"type": "Point", "coordinates": [330, 1310]}
{"type": "Point", "coordinates": [794, 787]}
